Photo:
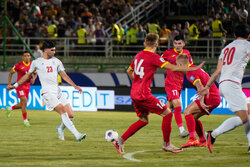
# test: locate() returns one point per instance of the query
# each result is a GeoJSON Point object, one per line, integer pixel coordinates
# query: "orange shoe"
{"type": "Point", "coordinates": [202, 144]}
{"type": "Point", "coordinates": [190, 142]}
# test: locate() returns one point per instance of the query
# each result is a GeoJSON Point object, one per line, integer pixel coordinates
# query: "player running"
{"type": "Point", "coordinates": [23, 91]}
{"type": "Point", "coordinates": [47, 68]}
{"type": "Point", "coordinates": [194, 110]}
{"type": "Point", "coordinates": [141, 72]}
{"type": "Point", "coordinates": [231, 66]}
{"type": "Point", "coordinates": [174, 81]}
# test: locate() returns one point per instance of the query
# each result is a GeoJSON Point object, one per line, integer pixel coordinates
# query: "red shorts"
{"type": "Point", "coordinates": [172, 94]}
{"type": "Point", "coordinates": [23, 92]}
{"type": "Point", "coordinates": [150, 105]}
{"type": "Point", "coordinates": [213, 101]}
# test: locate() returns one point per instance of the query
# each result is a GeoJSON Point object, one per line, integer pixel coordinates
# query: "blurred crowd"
{"type": "Point", "coordinates": [88, 19]}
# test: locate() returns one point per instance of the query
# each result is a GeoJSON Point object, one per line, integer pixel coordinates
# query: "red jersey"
{"type": "Point", "coordinates": [21, 69]}
{"type": "Point", "coordinates": [194, 76]}
{"type": "Point", "coordinates": [144, 65]}
{"type": "Point", "coordinates": [175, 79]}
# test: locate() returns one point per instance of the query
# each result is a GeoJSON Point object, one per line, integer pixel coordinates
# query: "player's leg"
{"type": "Point", "coordinates": [10, 109]}
{"type": "Point", "coordinates": [68, 123]}
{"type": "Point", "coordinates": [20, 93]}
{"type": "Point", "coordinates": [178, 117]}
{"type": "Point", "coordinates": [166, 131]}
{"type": "Point", "coordinates": [61, 127]}
{"type": "Point", "coordinates": [191, 110]}
{"type": "Point", "coordinates": [199, 130]}
{"type": "Point", "coordinates": [237, 102]}
{"type": "Point", "coordinates": [23, 101]}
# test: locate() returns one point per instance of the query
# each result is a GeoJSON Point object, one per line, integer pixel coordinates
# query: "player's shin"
{"type": "Point", "coordinates": [199, 131]}
{"type": "Point", "coordinates": [133, 129]}
{"type": "Point", "coordinates": [166, 128]}
{"type": "Point", "coordinates": [191, 126]}
{"type": "Point", "coordinates": [69, 124]}
{"type": "Point", "coordinates": [228, 125]}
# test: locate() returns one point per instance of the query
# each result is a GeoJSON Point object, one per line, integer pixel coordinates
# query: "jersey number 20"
{"type": "Point", "coordinates": [138, 69]}
{"type": "Point", "coordinates": [228, 56]}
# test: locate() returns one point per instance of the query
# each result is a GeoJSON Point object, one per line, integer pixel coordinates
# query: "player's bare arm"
{"type": "Point", "coordinates": [205, 90]}
{"type": "Point", "coordinates": [177, 68]}
{"type": "Point", "coordinates": [32, 81]}
{"type": "Point", "coordinates": [20, 82]}
{"type": "Point", "coordinates": [69, 81]}
{"type": "Point", "coordinates": [10, 76]}
{"type": "Point", "coordinates": [130, 73]}
{"type": "Point", "coordinates": [199, 87]}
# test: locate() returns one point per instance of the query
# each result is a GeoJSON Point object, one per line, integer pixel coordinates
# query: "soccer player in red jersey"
{"type": "Point", "coordinates": [199, 107]}
{"type": "Point", "coordinates": [141, 71]}
{"type": "Point", "coordinates": [174, 81]}
{"type": "Point", "coordinates": [23, 90]}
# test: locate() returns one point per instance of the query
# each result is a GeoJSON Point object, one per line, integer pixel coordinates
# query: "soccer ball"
{"type": "Point", "coordinates": [111, 135]}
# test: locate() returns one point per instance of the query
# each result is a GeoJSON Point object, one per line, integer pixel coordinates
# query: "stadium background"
{"type": "Point", "coordinates": [97, 40]}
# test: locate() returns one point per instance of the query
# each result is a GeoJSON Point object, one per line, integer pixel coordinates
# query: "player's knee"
{"type": "Point", "coordinates": [187, 112]}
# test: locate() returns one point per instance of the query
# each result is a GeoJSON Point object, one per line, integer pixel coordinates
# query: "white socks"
{"type": "Point", "coordinates": [247, 129]}
{"type": "Point", "coordinates": [62, 126]}
{"type": "Point", "coordinates": [181, 129]}
{"type": "Point", "coordinates": [69, 124]}
{"type": "Point", "coordinates": [227, 125]}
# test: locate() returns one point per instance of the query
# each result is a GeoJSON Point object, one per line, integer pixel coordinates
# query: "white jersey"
{"type": "Point", "coordinates": [47, 70]}
{"type": "Point", "coordinates": [234, 60]}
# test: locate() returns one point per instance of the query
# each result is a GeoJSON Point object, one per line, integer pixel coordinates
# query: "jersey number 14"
{"type": "Point", "coordinates": [138, 69]}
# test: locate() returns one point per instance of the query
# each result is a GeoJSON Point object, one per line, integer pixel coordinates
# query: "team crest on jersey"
{"type": "Point", "coordinates": [192, 78]}
{"type": "Point", "coordinates": [162, 60]}
{"type": "Point", "coordinates": [173, 55]}
{"type": "Point", "coordinates": [22, 67]}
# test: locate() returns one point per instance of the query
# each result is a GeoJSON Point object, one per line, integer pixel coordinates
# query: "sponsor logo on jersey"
{"type": "Point", "coordinates": [192, 78]}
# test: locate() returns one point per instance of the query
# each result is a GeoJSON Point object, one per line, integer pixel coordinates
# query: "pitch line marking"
{"type": "Point", "coordinates": [129, 156]}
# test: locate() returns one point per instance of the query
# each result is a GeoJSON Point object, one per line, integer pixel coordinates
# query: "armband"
{"type": "Point", "coordinates": [15, 85]}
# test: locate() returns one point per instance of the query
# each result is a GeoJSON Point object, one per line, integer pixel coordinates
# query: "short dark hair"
{"type": "Point", "coordinates": [179, 37]}
{"type": "Point", "coordinates": [26, 52]}
{"type": "Point", "coordinates": [242, 30]}
{"type": "Point", "coordinates": [48, 44]}
{"type": "Point", "coordinates": [151, 39]}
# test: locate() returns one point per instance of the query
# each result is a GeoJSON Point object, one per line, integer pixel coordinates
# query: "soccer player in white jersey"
{"type": "Point", "coordinates": [47, 68]}
{"type": "Point", "coordinates": [231, 66]}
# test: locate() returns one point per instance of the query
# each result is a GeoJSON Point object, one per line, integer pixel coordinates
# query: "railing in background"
{"type": "Point", "coordinates": [201, 48]}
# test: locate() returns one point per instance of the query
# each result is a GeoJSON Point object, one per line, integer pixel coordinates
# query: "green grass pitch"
{"type": "Point", "coordinates": [38, 145]}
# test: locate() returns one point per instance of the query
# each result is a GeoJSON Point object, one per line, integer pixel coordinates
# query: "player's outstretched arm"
{"type": "Point", "coordinates": [69, 81]}
{"type": "Point", "coordinates": [177, 68]}
{"type": "Point", "coordinates": [215, 75]}
{"type": "Point", "coordinates": [20, 82]}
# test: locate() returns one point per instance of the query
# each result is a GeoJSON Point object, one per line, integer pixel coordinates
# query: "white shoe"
{"type": "Point", "coordinates": [60, 133]}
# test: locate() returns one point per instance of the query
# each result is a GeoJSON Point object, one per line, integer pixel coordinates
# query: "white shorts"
{"type": "Point", "coordinates": [54, 99]}
{"type": "Point", "coordinates": [234, 96]}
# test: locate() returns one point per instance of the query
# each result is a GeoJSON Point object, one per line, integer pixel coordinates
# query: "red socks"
{"type": "Point", "coordinates": [132, 129]}
{"type": "Point", "coordinates": [25, 116]}
{"type": "Point", "coordinates": [191, 126]}
{"type": "Point", "coordinates": [13, 107]}
{"type": "Point", "coordinates": [166, 128]}
{"type": "Point", "coordinates": [177, 115]}
{"type": "Point", "coordinates": [199, 131]}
